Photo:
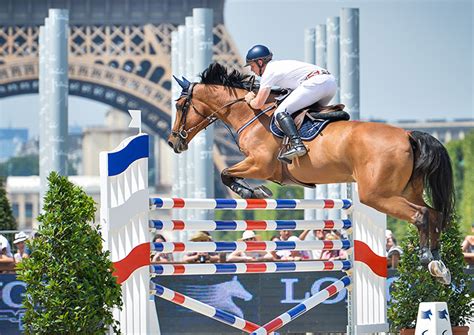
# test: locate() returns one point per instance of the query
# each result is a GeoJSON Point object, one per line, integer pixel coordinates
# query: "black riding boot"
{"type": "Point", "coordinates": [297, 148]}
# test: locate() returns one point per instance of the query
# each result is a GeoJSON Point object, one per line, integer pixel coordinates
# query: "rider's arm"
{"type": "Point", "coordinates": [260, 99]}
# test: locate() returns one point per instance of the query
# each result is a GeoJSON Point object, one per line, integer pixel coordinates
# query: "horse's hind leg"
{"type": "Point", "coordinates": [411, 208]}
{"type": "Point", "coordinates": [389, 191]}
{"type": "Point", "coordinates": [429, 224]}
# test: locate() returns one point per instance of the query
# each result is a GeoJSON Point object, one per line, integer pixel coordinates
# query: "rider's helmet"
{"type": "Point", "coordinates": [258, 52]}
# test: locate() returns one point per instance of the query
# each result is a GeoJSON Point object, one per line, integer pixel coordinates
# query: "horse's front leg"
{"type": "Point", "coordinates": [233, 177]}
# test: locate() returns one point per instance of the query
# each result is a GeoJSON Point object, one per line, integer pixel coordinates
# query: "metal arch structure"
{"type": "Point", "coordinates": [115, 87]}
{"type": "Point", "coordinates": [124, 65]}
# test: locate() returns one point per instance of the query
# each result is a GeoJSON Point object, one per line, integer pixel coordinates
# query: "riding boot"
{"type": "Point", "coordinates": [297, 148]}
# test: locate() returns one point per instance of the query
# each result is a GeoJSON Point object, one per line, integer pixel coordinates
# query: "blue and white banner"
{"type": "Point", "coordinates": [255, 297]}
{"type": "Point", "coordinates": [11, 311]}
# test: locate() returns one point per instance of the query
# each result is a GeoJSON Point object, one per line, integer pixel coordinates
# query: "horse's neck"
{"type": "Point", "coordinates": [237, 114]}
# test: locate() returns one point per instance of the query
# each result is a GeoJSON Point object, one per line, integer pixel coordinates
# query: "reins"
{"type": "Point", "coordinates": [183, 133]}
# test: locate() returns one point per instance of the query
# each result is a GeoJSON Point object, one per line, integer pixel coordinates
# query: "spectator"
{"type": "Point", "coordinates": [201, 257]}
{"type": "Point", "coordinates": [333, 255]}
{"type": "Point", "coordinates": [7, 263]}
{"type": "Point", "coordinates": [274, 253]}
{"type": "Point", "coordinates": [19, 243]}
{"type": "Point", "coordinates": [241, 256]}
{"type": "Point", "coordinates": [394, 252]}
{"type": "Point", "coordinates": [6, 245]}
{"type": "Point", "coordinates": [275, 238]}
{"type": "Point", "coordinates": [161, 257]}
{"type": "Point", "coordinates": [468, 248]}
{"type": "Point", "coordinates": [317, 235]}
{"type": "Point", "coordinates": [289, 255]}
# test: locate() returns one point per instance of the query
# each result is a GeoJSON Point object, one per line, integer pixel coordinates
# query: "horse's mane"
{"type": "Point", "coordinates": [217, 74]}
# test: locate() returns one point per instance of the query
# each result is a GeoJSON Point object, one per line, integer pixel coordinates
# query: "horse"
{"type": "Point", "coordinates": [221, 295]}
{"type": "Point", "coordinates": [392, 167]}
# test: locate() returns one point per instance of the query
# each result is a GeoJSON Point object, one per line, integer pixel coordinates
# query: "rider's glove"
{"type": "Point", "coordinates": [249, 97]}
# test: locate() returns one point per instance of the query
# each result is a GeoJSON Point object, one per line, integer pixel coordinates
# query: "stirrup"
{"type": "Point", "coordinates": [297, 149]}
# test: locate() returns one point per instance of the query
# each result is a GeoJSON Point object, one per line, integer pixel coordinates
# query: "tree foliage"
{"type": "Point", "coordinates": [70, 288]}
{"type": "Point", "coordinates": [467, 201]}
{"type": "Point", "coordinates": [27, 165]}
{"type": "Point", "coordinates": [416, 285]}
{"type": "Point", "coordinates": [20, 166]}
{"type": "Point", "coordinates": [462, 158]}
{"type": "Point", "coordinates": [7, 221]}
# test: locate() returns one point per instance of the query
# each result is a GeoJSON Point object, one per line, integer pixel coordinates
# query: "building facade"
{"type": "Point", "coordinates": [23, 195]}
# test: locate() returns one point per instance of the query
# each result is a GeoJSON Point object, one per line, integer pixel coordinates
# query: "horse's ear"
{"type": "Point", "coordinates": [186, 82]}
{"type": "Point", "coordinates": [183, 83]}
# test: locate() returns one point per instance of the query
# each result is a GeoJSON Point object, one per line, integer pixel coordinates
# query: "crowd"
{"type": "Point", "coordinates": [8, 257]}
{"type": "Point", "coordinates": [393, 251]}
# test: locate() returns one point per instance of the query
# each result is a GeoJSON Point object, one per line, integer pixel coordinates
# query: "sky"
{"type": "Point", "coordinates": [416, 57]}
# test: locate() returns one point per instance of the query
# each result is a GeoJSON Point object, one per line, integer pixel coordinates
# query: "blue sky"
{"type": "Point", "coordinates": [416, 58]}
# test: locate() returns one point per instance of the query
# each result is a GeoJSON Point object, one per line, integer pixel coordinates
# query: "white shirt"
{"type": "Point", "coordinates": [315, 254]}
{"type": "Point", "coordinates": [287, 253]}
{"type": "Point", "coordinates": [286, 73]}
{"type": "Point", "coordinates": [4, 242]}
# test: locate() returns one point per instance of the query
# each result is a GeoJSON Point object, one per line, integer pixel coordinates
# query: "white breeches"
{"type": "Point", "coordinates": [319, 88]}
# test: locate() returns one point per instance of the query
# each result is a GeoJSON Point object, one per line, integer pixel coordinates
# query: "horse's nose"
{"type": "Point", "coordinates": [170, 144]}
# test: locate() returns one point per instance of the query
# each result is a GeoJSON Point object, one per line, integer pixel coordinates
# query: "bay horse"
{"type": "Point", "coordinates": [392, 167]}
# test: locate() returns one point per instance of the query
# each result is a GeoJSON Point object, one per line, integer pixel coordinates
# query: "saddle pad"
{"type": "Point", "coordinates": [308, 130]}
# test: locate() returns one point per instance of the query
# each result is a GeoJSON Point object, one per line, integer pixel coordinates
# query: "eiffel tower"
{"type": "Point", "coordinates": [119, 54]}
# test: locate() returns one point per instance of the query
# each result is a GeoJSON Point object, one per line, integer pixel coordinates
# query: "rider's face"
{"type": "Point", "coordinates": [255, 69]}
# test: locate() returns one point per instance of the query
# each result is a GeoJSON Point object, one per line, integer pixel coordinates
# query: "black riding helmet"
{"type": "Point", "coordinates": [258, 52]}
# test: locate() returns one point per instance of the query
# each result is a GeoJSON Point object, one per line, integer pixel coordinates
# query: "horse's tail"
{"type": "Point", "coordinates": [433, 165]}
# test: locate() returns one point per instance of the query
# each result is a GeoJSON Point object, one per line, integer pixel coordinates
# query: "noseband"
{"type": "Point", "coordinates": [183, 133]}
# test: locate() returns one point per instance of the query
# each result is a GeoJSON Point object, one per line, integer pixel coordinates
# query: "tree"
{"type": "Point", "coordinates": [20, 166]}
{"type": "Point", "coordinates": [416, 285]}
{"type": "Point", "coordinates": [7, 221]}
{"type": "Point", "coordinates": [467, 202]}
{"type": "Point", "coordinates": [462, 158]}
{"type": "Point", "coordinates": [27, 165]}
{"type": "Point", "coordinates": [70, 288]}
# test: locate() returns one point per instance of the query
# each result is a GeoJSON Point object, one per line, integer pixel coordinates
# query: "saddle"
{"type": "Point", "coordinates": [311, 120]}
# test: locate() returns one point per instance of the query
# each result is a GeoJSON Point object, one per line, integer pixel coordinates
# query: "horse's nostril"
{"type": "Point", "coordinates": [170, 143]}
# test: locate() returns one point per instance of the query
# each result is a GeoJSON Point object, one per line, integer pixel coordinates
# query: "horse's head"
{"type": "Point", "coordinates": [192, 116]}
{"type": "Point", "coordinates": [198, 106]}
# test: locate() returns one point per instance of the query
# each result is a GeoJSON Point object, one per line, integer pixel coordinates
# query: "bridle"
{"type": "Point", "coordinates": [182, 133]}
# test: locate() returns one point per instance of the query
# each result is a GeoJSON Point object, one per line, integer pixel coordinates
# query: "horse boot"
{"type": "Point", "coordinates": [435, 234]}
{"type": "Point", "coordinates": [422, 223]}
{"type": "Point", "coordinates": [297, 148]}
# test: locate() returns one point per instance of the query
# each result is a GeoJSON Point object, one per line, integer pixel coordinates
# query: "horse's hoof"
{"type": "Point", "coordinates": [425, 256]}
{"type": "Point", "coordinates": [262, 192]}
{"type": "Point", "coordinates": [245, 193]}
{"type": "Point", "coordinates": [441, 273]}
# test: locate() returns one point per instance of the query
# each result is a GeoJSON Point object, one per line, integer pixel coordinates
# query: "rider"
{"type": "Point", "coordinates": [309, 84]}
